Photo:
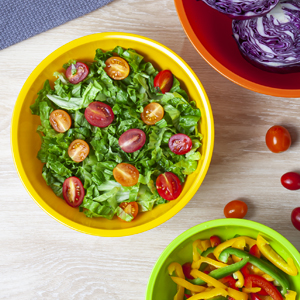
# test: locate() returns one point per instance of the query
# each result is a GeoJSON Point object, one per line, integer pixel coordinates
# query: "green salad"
{"type": "Point", "coordinates": [97, 90]}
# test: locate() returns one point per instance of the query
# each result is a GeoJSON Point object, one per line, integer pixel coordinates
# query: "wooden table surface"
{"type": "Point", "coordinates": [42, 259]}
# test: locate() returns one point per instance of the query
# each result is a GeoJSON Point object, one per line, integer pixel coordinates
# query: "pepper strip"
{"type": "Point", "coordinates": [207, 295]}
{"type": "Point", "coordinates": [223, 271]}
{"type": "Point", "coordinates": [239, 244]}
{"type": "Point", "coordinates": [188, 285]}
{"type": "Point", "coordinates": [217, 264]}
{"type": "Point", "coordinates": [179, 273]}
{"type": "Point", "coordinates": [237, 295]}
{"type": "Point", "coordinates": [290, 295]}
{"type": "Point", "coordinates": [202, 245]}
{"type": "Point", "coordinates": [287, 267]}
{"type": "Point", "coordinates": [252, 290]}
{"type": "Point", "coordinates": [230, 242]}
{"type": "Point", "coordinates": [265, 267]}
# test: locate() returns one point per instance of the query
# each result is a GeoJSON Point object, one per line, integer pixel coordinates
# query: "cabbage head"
{"type": "Point", "coordinates": [272, 42]}
{"type": "Point", "coordinates": [242, 9]}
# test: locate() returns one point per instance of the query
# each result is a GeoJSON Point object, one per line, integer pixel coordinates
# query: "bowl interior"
{"type": "Point", "coordinates": [160, 286]}
{"type": "Point", "coordinates": [211, 34]}
{"type": "Point", "coordinates": [26, 142]}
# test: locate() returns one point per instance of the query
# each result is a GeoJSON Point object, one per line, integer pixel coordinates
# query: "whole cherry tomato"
{"type": "Point", "coordinates": [163, 81]}
{"type": "Point", "coordinates": [78, 72]}
{"type": "Point", "coordinates": [278, 139]}
{"type": "Point", "coordinates": [215, 241]}
{"type": "Point", "coordinates": [296, 218]}
{"type": "Point", "coordinates": [235, 209]}
{"type": "Point", "coordinates": [291, 181]}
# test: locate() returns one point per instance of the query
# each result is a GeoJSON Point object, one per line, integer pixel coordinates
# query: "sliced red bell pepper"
{"type": "Point", "coordinates": [187, 268]}
{"type": "Point", "coordinates": [187, 296]}
{"type": "Point", "coordinates": [261, 282]}
{"type": "Point", "coordinates": [255, 251]}
{"type": "Point", "coordinates": [230, 281]}
{"type": "Point", "coordinates": [254, 297]}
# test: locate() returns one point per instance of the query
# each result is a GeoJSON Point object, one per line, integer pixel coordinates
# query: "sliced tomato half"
{"type": "Point", "coordinates": [168, 186]}
{"type": "Point", "coordinates": [73, 191]}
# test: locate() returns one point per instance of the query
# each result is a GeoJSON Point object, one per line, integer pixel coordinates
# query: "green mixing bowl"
{"type": "Point", "coordinates": [160, 285]}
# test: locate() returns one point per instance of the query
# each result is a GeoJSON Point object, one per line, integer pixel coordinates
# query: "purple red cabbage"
{"type": "Point", "coordinates": [242, 9]}
{"type": "Point", "coordinates": [272, 42]}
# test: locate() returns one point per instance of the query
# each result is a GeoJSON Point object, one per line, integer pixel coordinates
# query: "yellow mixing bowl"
{"type": "Point", "coordinates": [26, 142]}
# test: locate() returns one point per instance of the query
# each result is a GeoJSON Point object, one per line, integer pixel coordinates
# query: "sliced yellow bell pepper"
{"type": "Point", "coordinates": [210, 294]}
{"type": "Point", "coordinates": [187, 285]}
{"type": "Point", "coordinates": [287, 267]}
{"type": "Point", "coordinates": [237, 295]}
{"type": "Point", "coordinates": [251, 290]}
{"type": "Point", "coordinates": [239, 244]}
{"type": "Point", "coordinates": [218, 264]}
{"type": "Point", "coordinates": [236, 241]}
{"type": "Point", "coordinates": [255, 270]}
{"type": "Point", "coordinates": [179, 273]}
{"type": "Point", "coordinates": [268, 277]}
{"type": "Point", "coordinates": [202, 245]}
{"type": "Point", "coordinates": [290, 295]}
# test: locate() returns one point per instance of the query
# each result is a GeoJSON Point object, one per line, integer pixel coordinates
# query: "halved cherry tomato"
{"type": "Point", "coordinates": [130, 208]}
{"type": "Point", "coordinates": [78, 150]}
{"type": "Point", "coordinates": [152, 113]}
{"type": "Point", "coordinates": [255, 251]}
{"type": "Point", "coordinates": [168, 186]}
{"type": "Point", "coordinates": [180, 143]}
{"type": "Point", "coordinates": [164, 81]}
{"type": "Point", "coordinates": [78, 72]}
{"type": "Point", "coordinates": [215, 241]}
{"type": "Point", "coordinates": [187, 268]}
{"type": "Point", "coordinates": [99, 114]}
{"type": "Point", "coordinates": [132, 140]}
{"type": "Point", "coordinates": [278, 139]}
{"type": "Point", "coordinates": [235, 209]}
{"type": "Point", "coordinates": [126, 174]}
{"type": "Point", "coordinates": [296, 217]}
{"type": "Point", "coordinates": [291, 181]}
{"type": "Point", "coordinates": [73, 191]}
{"type": "Point", "coordinates": [117, 68]}
{"type": "Point", "coordinates": [60, 120]}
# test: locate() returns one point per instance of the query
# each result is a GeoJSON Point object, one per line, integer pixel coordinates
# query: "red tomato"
{"type": "Point", "coordinates": [99, 114]}
{"type": "Point", "coordinates": [296, 217]}
{"type": "Point", "coordinates": [164, 81]}
{"type": "Point", "coordinates": [291, 181]}
{"type": "Point", "coordinates": [78, 150]}
{"type": "Point", "coordinates": [187, 268]}
{"type": "Point", "coordinates": [278, 139]}
{"type": "Point", "coordinates": [130, 208]}
{"type": "Point", "coordinates": [60, 120]}
{"type": "Point", "coordinates": [117, 68]}
{"type": "Point", "coordinates": [215, 241]}
{"type": "Point", "coordinates": [80, 71]}
{"type": "Point", "coordinates": [73, 191]}
{"type": "Point", "coordinates": [180, 143]}
{"type": "Point", "coordinates": [235, 209]}
{"type": "Point", "coordinates": [168, 186]}
{"type": "Point", "coordinates": [132, 140]}
{"type": "Point", "coordinates": [126, 174]}
{"type": "Point", "coordinates": [255, 251]}
{"type": "Point", "coordinates": [152, 113]}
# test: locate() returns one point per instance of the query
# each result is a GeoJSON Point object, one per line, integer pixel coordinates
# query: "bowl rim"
{"type": "Point", "coordinates": [288, 93]}
{"type": "Point", "coordinates": [84, 228]}
{"type": "Point", "coordinates": [211, 224]}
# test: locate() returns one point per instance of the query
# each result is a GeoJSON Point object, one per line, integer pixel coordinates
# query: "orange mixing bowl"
{"type": "Point", "coordinates": [210, 33]}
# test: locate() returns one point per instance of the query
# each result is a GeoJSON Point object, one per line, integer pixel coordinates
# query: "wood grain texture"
{"type": "Point", "coordinates": [42, 259]}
